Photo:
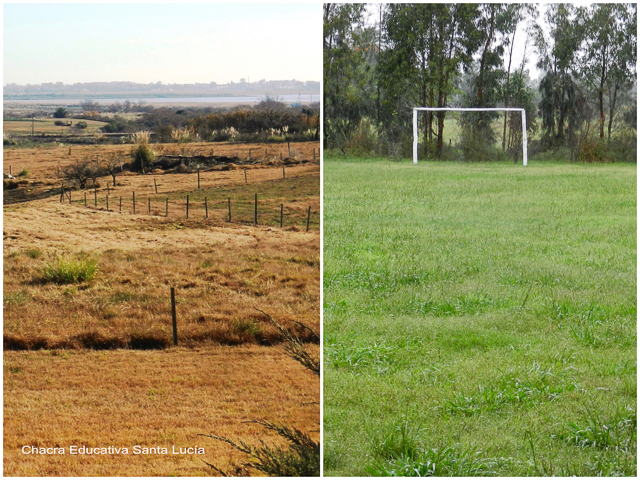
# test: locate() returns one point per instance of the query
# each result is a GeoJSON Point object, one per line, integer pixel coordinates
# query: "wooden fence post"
{"type": "Point", "coordinates": [308, 217]}
{"type": "Point", "coordinates": [187, 206]}
{"type": "Point", "coordinates": [120, 203]}
{"type": "Point", "coordinates": [61, 192]}
{"type": "Point", "coordinates": [281, 213]}
{"type": "Point", "coordinates": [289, 149]}
{"type": "Point", "coordinates": [85, 199]}
{"type": "Point", "coordinates": [166, 207]}
{"type": "Point", "coordinates": [95, 197]}
{"type": "Point", "coordinates": [255, 219]}
{"type": "Point", "coordinates": [107, 198]}
{"type": "Point", "coordinates": [198, 178]}
{"type": "Point", "coordinates": [229, 209]}
{"type": "Point", "coordinates": [134, 203]}
{"type": "Point", "coordinates": [148, 204]}
{"type": "Point", "coordinates": [173, 316]}
{"type": "Point", "coordinates": [245, 176]}
{"type": "Point", "coordinates": [155, 185]}
{"type": "Point", "coordinates": [206, 208]}
{"type": "Point", "coordinates": [283, 172]}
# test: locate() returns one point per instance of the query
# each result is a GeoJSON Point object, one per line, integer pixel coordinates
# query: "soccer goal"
{"type": "Point", "coordinates": [460, 109]}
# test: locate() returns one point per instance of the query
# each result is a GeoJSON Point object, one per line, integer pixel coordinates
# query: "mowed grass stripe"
{"type": "Point", "coordinates": [479, 309]}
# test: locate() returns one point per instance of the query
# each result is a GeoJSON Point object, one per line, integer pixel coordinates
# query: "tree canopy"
{"type": "Point", "coordinates": [382, 61]}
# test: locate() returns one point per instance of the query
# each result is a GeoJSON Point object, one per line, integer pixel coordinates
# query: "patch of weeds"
{"type": "Point", "coordinates": [68, 271]}
{"type": "Point", "coordinates": [436, 463]}
{"type": "Point", "coordinates": [616, 433]}
{"type": "Point", "coordinates": [23, 173]}
{"type": "Point", "coordinates": [247, 326]}
{"type": "Point", "coordinates": [396, 441]}
{"type": "Point", "coordinates": [340, 354]}
{"type": "Point", "coordinates": [18, 298]}
{"type": "Point", "coordinates": [379, 281]}
{"type": "Point", "coordinates": [336, 308]}
{"type": "Point", "coordinates": [120, 297]}
{"type": "Point", "coordinates": [207, 264]}
{"type": "Point", "coordinates": [527, 391]}
{"type": "Point", "coordinates": [33, 253]}
{"type": "Point", "coordinates": [473, 304]}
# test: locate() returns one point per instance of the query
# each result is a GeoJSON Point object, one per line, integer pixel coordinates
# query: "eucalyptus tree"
{"type": "Point", "coordinates": [608, 64]}
{"type": "Point", "coordinates": [426, 46]}
{"type": "Point", "coordinates": [562, 104]}
{"type": "Point", "coordinates": [343, 60]}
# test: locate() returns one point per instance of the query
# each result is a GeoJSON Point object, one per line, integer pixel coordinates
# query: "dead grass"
{"type": "Point", "coordinates": [124, 398]}
{"type": "Point", "coordinates": [90, 371]}
{"type": "Point", "coordinates": [221, 275]}
{"type": "Point", "coordinates": [47, 125]}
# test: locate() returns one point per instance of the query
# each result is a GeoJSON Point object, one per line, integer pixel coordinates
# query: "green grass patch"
{"type": "Point", "coordinates": [69, 270]}
{"type": "Point", "coordinates": [473, 313]}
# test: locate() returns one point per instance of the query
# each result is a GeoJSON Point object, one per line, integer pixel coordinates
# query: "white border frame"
{"type": "Point", "coordinates": [457, 109]}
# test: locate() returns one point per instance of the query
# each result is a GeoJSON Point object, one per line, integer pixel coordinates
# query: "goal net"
{"type": "Point", "coordinates": [472, 131]}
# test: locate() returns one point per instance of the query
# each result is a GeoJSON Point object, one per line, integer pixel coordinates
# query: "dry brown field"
{"type": "Point", "coordinates": [47, 126]}
{"type": "Point", "coordinates": [92, 362]}
{"type": "Point", "coordinates": [153, 399]}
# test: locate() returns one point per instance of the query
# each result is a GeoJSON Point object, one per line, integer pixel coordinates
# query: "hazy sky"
{"type": "Point", "coordinates": [156, 42]}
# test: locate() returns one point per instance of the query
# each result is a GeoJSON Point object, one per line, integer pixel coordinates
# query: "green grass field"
{"type": "Point", "coordinates": [479, 319]}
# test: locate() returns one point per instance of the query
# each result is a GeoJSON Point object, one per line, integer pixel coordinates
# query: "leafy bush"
{"type": "Point", "coordinates": [82, 124]}
{"type": "Point", "coordinates": [23, 173]}
{"type": "Point", "coordinates": [66, 271]}
{"type": "Point", "coordinates": [61, 113]}
{"type": "Point", "coordinates": [142, 158]}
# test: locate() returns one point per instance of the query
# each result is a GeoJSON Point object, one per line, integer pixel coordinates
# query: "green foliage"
{"type": "Point", "coordinates": [34, 253]}
{"type": "Point", "coordinates": [82, 125]}
{"type": "Point", "coordinates": [23, 173]}
{"type": "Point", "coordinates": [143, 156]}
{"type": "Point", "coordinates": [617, 433]}
{"type": "Point", "coordinates": [69, 271]}
{"type": "Point", "coordinates": [61, 113]}
{"type": "Point", "coordinates": [445, 462]}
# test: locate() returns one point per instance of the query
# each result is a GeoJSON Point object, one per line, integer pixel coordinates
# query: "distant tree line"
{"type": "Point", "coordinates": [269, 120]}
{"type": "Point", "coordinates": [381, 61]}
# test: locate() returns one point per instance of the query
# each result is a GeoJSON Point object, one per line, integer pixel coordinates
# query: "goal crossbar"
{"type": "Point", "coordinates": [462, 109]}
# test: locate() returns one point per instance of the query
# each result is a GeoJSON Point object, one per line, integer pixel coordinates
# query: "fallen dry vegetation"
{"type": "Point", "coordinates": [125, 398]}
{"type": "Point", "coordinates": [92, 329]}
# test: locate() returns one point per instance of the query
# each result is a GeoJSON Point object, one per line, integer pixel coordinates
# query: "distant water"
{"type": "Point", "coordinates": [302, 98]}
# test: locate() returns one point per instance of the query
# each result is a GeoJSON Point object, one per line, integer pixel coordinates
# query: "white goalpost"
{"type": "Point", "coordinates": [456, 109]}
